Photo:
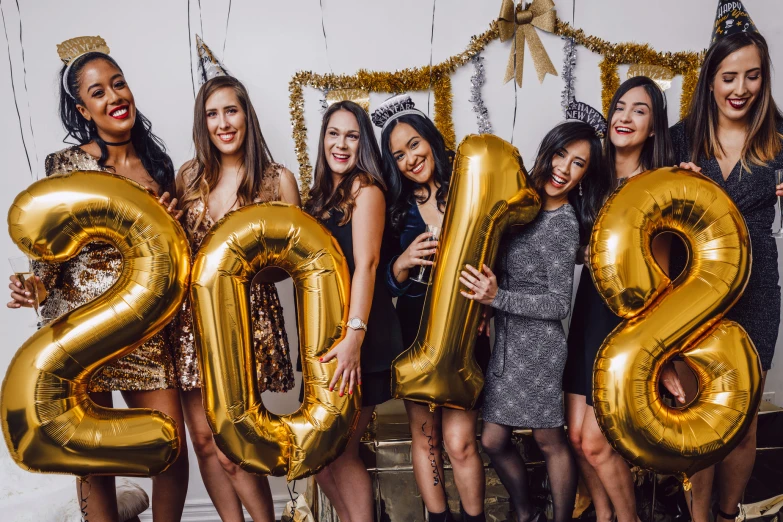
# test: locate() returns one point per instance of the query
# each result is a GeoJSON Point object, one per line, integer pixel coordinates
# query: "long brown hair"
{"type": "Point", "coordinates": [763, 142]}
{"type": "Point", "coordinates": [323, 197]}
{"type": "Point", "coordinates": [204, 169]}
{"type": "Point", "coordinates": [657, 151]}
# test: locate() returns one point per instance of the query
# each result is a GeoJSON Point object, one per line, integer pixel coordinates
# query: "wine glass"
{"type": "Point", "coordinates": [778, 181]}
{"type": "Point", "coordinates": [23, 270]}
{"type": "Point", "coordinates": [424, 271]}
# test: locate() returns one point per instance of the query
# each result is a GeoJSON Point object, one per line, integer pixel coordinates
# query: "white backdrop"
{"type": "Point", "coordinates": [266, 43]}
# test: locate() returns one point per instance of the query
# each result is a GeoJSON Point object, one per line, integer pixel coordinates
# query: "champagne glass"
{"type": "Point", "coordinates": [23, 270]}
{"type": "Point", "coordinates": [778, 181]}
{"type": "Point", "coordinates": [423, 276]}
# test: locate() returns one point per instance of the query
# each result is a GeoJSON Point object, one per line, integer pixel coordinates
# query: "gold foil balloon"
{"type": "Point", "coordinates": [489, 192]}
{"type": "Point", "coordinates": [241, 244]}
{"type": "Point", "coordinates": [49, 422]}
{"type": "Point", "coordinates": [664, 319]}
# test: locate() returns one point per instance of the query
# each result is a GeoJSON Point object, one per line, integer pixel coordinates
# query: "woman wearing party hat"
{"type": "Point", "coordinates": [734, 132]}
{"type": "Point", "coordinates": [232, 167]}
{"type": "Point", "coordinates": [98, 110]}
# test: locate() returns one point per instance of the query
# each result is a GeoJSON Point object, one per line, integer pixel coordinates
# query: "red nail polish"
{"type": "Point", "coordinates": [341, 394]}
{"type": "Point", "coordinates": [320, 359]}
{"type": "Point", "coordinates": [350, 392]}
{"type": "Point", "coordinates": [331, 389]}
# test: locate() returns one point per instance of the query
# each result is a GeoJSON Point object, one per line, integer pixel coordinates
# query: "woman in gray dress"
{"type": "Point", "coordinates": [531, 295]}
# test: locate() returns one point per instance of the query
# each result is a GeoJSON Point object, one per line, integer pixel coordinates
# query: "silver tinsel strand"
{"type": "Point", "coordinates": [476, 81]}
{"type": "Point", "coordinates": [569, 63]}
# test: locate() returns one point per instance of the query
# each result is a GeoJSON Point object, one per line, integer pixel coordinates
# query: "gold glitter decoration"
{"type": "Point", "coordinates": [71, 49]}
{"type": "Point", "coordinates": [520, 24]}
{"type": "Point", "coordinates": [685, 63]}
{"type": "Point", "coordinates": [663, 76]}
{"type": "Point", "coordinates": [359, 96]}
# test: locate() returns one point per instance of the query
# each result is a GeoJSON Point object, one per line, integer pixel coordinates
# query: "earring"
{"type": "Point", "coordinates": [580, 189]}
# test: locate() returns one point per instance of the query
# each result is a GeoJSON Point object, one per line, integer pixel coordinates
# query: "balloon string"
{"type": "Point", "coordinates": [83, 498]}
{"type": "Point", "coordinates": [228, 17]}
{"type": "Point", "coordinates": [326, 43]}
{"type": "Point", "coordinates": [190, 48]}
{"type": "Point", "coordinates": [13, 87]}
{"type": "Point", "coordinates": [293, 499]}
{"type": "Point", "coordinates": [514, 121]}
{"type": "Point", "coordinates": [200, 20]}
{"type": "Point", "coordinates": [435, 473]}
{"type": "Point", "coordinates": [432, 39]}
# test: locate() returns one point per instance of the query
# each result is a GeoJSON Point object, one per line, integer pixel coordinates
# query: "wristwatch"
{"type": "Point", "coordinates": [356, 324]}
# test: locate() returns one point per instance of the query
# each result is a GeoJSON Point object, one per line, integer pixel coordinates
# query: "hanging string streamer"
{"type": "Point", "coordinates": [228, 17]}
{"type": "Point", "coordinates": [569, 79]}
{"type": "Point", "coordinates": [476, 82]}
{"type": "Point", "coordinates": [13, 87]}
{"type": "Point", "coordinates": [326, 43]}
{"type": "Point", "coordinates": [432, 40]}
{"type": "Point", "coordinates": [190, 49]}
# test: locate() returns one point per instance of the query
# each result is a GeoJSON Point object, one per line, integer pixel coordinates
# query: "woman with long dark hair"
{"type": "Point", "coordinates": [98, 110]}
{"type": "Point", "coordinates": [638, 140]}
{"type": "Point", "coordinates": [734, 132]}
{"type": "Point", "coordinates": [232, 167]}
{"type": "Point", "coordinates": [348, 198]}
{"type": "Point", "coordinates": [418, 170]}
{"type": "Point", "coordinates": [531, 295]}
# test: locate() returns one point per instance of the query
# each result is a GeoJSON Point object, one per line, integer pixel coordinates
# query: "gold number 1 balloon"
{"type": "Point", "coordinates": [488, 193]}
{"type": "Point", "coordinates": [664, 319]}
{"type": "Point", "coordinates": [49, 422]}
{"type": "Point", "coordinates": [237, 247]}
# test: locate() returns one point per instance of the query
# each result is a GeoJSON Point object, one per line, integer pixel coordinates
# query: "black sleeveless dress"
{"type": "Point", "coordinates": [383, 341]}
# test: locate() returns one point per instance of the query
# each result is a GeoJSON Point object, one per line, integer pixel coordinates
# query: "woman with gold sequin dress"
{"type": "Point", "coordinates": [97, 109]}
{"type": "Point", "coordinates": [232, 168]}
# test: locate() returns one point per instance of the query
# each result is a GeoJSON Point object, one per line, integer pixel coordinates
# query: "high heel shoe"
{"type": "Point", "coordinates": [718, 512]}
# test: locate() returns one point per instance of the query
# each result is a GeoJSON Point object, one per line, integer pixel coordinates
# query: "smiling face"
{"type": "Point", "coordinates": [106, 99]}
{"type": "Point", "coordinates": [632, 120]}
{"type": "Point", "coordinates": [341, 142]}
{"type": "Point", "coordinates": [412, 153]}
{"type": "Point", "coordinates": [569, 165]}
{"type": "Point", "coordinates": [737, 84]}
{"type": "Point", "coordinates": [226, 121]}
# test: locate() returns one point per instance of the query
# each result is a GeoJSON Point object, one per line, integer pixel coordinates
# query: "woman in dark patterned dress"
{"type": "Point", "coordinates": [348, 199]}
{"type": "Point", "coordinates": [733, 131]}
{"type": "Point", "coordinates": [418, 170]}
{"type": "Point", "coordinates": [232, 168]}
{"type": "Point", "coordinates": [98, 110]}
{"type": "Point", "coordinates": [531, 296]}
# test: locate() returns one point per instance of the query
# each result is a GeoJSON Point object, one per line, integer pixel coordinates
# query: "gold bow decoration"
{"type": "Point", "coordinates": [518, 23]}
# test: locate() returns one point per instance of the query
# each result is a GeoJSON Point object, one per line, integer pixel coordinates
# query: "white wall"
{"type": "Point", "coordinates": [269, 41]}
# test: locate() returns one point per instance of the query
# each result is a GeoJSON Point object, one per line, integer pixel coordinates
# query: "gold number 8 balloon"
{"type": "Point", "coordinates": [663, 320]}
{"type": "Point", "coordinates": [237, 247]}
{"type": "Point", "coordinates": [49, 422]}
{"type": "Point", "coordinates": [489, 192]}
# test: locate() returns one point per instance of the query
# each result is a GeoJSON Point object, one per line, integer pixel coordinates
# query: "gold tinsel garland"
{"type": "Point", "coordinates": [685, 63]}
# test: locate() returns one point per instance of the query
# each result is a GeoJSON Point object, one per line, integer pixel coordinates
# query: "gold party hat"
{"type": "Point", "coordinates": [71, 49]}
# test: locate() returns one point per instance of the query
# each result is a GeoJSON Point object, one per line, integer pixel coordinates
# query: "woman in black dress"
{"type": "Point", "coordinates": [733, 132]}
{"type": "Point", "coordinates": [638, 140]}
{"type": "Point", "coordinates": [418, 169]}
{"type": "Point", "coordinates": [348, 198]}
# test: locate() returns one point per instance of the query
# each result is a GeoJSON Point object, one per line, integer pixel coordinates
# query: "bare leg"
{"type": "Point", "coordinates": [576, 405]}
{"type": "Point", "coordinates": [253, 490]}
{"type": "Point", "coordinates": [170, 488]}
{"type": "Point", "coordinates": [425, 434]}
{"type": "Point", "coordinates": [100, 492]}
{"type": "Point", "coordinates": [219, 488]}
{"type": "Point", "coordinates": [610, 468]}
{"type": "Point", "coordinates": [350, 479]}
{"type": "Point", "coordinates": [459, 436]}
{"type": "Point", "coordinates": [508, 463]}
{"type": "Point", "coordinates": [561, 468]}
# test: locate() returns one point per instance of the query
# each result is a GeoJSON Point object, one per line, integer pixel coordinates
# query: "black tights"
{"type": "Point", "coordinates": [508, 463]}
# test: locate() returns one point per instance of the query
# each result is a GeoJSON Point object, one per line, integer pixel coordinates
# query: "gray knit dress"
{"type": "Point", "coordinates": [523, 386]}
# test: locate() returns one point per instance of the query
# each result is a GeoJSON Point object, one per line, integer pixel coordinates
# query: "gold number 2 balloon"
{"type": "Point", "coordinates": [489, 192]}
{"type": "Point", "coordinates": [241, 244]}
{"type": "Point", "coordinates": [49, 422]}
{"type": "Point", "coordinates": [664, 319]}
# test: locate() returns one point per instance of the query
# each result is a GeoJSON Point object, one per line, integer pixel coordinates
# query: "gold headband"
{"type": "Point", "coordinates": [72, 49]}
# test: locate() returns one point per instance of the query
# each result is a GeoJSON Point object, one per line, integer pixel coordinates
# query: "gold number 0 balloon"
{"type": "Point", "coordinates": [662, 321]}
{"type": "Point", "coordinates": [49, 422]}
{"type": "Point", "coordinates": [241, 244]}
{"type": "Point", "coordinates": [489, 192]}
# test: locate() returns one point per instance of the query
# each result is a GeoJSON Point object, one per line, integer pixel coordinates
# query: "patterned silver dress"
{"type": "Point", "coordinates": [535, 272]}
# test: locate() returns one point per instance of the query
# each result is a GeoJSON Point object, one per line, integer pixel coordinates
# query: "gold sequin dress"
{"type": "Point", "coordinates": [86, 276]}
{"type": "Point", "coordinates": [270, 342]}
